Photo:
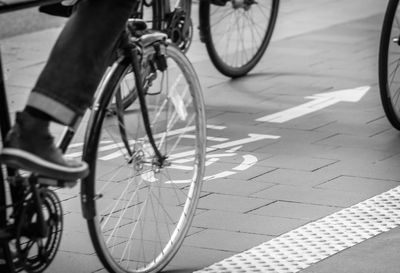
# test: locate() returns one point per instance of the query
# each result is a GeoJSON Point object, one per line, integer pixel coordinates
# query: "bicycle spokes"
{"type": "Point", "coordinates": [143, 210]}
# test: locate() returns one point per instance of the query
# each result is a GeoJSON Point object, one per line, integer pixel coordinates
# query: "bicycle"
{"type": "Point", "coordinates": [146, 165]}
{"type": "Point", "coordinates": [236, 32]}
{"type": "Point", "coordinates": [389, 63]}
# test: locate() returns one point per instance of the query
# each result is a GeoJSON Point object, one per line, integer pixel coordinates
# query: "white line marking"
{"type": "Point", "coordinates": [234, 149]}
{"type": "Point", "coordinates": [218, 175]}
{"type": "Point", "coordinates": [248, 161]}
{"type": "Point", "coordinates": [216, 127]}
{"type": "Point", "coordinates": [319, 101]}
{"type": "Point", "coordinates": [211, 161]}
{"type": "Point", "coordinates": [251, 138]}
{"type": "Point", "coordinates": [217, 139]}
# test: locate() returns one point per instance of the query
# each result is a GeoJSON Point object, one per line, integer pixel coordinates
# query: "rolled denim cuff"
{"type": "Point", "coordinates": [55, 109]}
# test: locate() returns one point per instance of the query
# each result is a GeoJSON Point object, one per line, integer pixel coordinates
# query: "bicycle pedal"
{"type": "Point", "coordinates": [56, 183]}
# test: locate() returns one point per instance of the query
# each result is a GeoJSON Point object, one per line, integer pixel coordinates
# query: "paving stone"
{"type": "Point", "coordinates": [189, 259]}
{"type": "Point", "coordinates": [22, 80]}
{"type": "Point", "coordinates": [67, 193]}
{"type": "Point", "coordinates": [313, 196]}
{"type": "Point", "coordinates": [295, 210]}
{"type": "Point", "coordinates": [225, 202]}
{"type": "Point", "coordinates": [246, 86]}
{"type": "Point", "coordinates": [74, 222]}
{"type": "Point", "coordinates": [247, 223]}
{"type": "Point", "coordinates": [208, 72]}
{"type": "Point", "coordinates": [294, 148]}
{"type": "Point", "coordinates": [361, 142]}
{"type": "Point", "coordinates": [358, 168]}
{"type": "Point", "coordinates": [351, 127]}
{"type": "Point", "coordinates": [216, 97]}
{"type": "Point", "coordinates": [313, 122]}
{"type": "Point", "coordinates": [72, 205]}
{"type": "Point", "coordinates": [297, 142]}
{"type": "Point", "coordinates": [225, 240]}
{"type": "Point", "coordinates": [296, 162]}
{"type": "Point", "coordinates": [359, 184]}
{"type": "Point", "coordinates": [17, 97]}
{"type": "Point", "coordinates": [234, 186]}
{"type": "Point", "coordinates": [353, 154]}
{"type": "Point", "coordinates": [77, 242]}
{"type": "Point", "coordinates": [296, 178]}
{"type": "Point", "coordinates": [67, 262]}
{"type": "Point", "coordinates": [297, 136]}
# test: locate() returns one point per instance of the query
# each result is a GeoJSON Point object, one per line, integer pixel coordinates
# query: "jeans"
{"type": "Point", "coordinates": [79, 58]}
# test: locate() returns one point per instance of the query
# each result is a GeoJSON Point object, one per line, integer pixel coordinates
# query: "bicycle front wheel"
{"type": "Point", "coordinates": [138, 210]}
{"type": "Point", "coordinates": [389, 63]}
{"type": "Point", "coordinates": [237, 33]}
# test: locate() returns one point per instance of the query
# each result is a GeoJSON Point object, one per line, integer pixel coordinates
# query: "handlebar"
{"type": "Point", "coordinates": [14, 5]}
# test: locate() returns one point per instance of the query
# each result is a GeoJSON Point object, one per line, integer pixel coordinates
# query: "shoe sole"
{"type": "Point", "coordinates": [23, 160]}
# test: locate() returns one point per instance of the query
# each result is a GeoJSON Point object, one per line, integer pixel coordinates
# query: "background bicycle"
{"type": "Point", "coordinates": [236, 32]}
{"type": "Point", "coordinates": [137, 216]}
{"type": "Point", "coordinates": [389, 63]}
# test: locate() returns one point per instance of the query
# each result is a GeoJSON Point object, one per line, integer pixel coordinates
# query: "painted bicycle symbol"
{"type": "Point", "coordinates": [220, 148]}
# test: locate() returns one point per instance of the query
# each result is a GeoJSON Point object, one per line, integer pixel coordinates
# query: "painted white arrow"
{"type": "Point", "coordinates": [319, 101]}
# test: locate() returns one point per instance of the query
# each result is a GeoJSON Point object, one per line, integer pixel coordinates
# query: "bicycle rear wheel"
{"type": "Point", "coordinates": [389, 63]}
{"type": "Point", "coordinates": [138, 211]}
{"type": "Point", "coordinates": [237, 33]}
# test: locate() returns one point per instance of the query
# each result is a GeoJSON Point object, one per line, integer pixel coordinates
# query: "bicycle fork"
{"type": "Point", "coordinates": [133, 51]}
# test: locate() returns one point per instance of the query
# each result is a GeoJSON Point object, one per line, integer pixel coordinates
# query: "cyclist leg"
{"type": "Point", "coordinates": [65, 88]}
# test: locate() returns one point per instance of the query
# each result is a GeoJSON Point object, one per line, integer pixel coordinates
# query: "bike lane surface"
{"type": "Point", "coordinates": [265, 179]}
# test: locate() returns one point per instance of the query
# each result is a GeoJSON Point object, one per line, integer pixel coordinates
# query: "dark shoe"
{"type": "Point", "coordinates": [30, 146]}
{"type": "Point", "coordinates": [219, 2]}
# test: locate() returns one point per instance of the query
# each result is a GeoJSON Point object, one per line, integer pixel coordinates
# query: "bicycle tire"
{"type": "Point", "coordinates": [248, 23]}
{"type": "Point", "coordinates": [105, 197]}
{"type": "Point", "coordinates": [389, 81]}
